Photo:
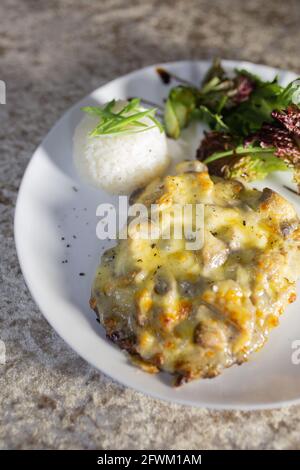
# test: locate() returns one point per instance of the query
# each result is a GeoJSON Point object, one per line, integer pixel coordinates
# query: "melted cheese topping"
{"type": "Point", "coordinates": [194, 313]}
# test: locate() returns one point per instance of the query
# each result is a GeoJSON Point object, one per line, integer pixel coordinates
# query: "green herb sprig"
{"type": "Point", "coordinates": [239, 150]}
{"type": "Point", "coordinates": [126, 121]}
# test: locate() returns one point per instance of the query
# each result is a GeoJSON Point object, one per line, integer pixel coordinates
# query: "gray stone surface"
{"type": "Point", "coordinates": [51, 54]}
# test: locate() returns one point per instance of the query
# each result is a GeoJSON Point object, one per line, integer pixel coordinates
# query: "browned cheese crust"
{"type": "Point", "coordinates": [193, 313]}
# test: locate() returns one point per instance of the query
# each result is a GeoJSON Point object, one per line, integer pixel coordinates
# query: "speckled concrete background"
{"type": "Point", "coordinates": [51, 54]}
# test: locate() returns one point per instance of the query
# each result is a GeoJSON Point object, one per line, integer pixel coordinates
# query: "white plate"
{"type": "Point", "coordinates": [48, 208]}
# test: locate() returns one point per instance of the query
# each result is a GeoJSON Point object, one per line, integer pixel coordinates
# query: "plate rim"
{"type": "Point", "coordinates": [26, 276]}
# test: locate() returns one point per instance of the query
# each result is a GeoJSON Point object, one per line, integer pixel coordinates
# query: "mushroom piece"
{"type": "Point", "coordinates": [214, 252]}
{"type": "Point", "coordinates": [208, 335]}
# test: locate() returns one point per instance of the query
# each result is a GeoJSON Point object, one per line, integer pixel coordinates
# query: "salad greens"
{"type": "Point", "coordinates": [255, 166]}
{"type": "Point", "coordinates": [129, 119]}
{"type": "Point", "coordinates": [255, 124]}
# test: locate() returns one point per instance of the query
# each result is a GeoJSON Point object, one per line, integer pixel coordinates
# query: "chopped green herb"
{"type": "Point", "coordinates": [130, 119]}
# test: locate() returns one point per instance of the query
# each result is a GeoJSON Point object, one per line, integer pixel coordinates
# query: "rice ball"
{"type": "Point", "coordinates": [119, 163]}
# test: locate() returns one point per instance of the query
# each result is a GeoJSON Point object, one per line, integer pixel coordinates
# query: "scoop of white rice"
{"type": "Point", "coordinates": [119, 163]}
